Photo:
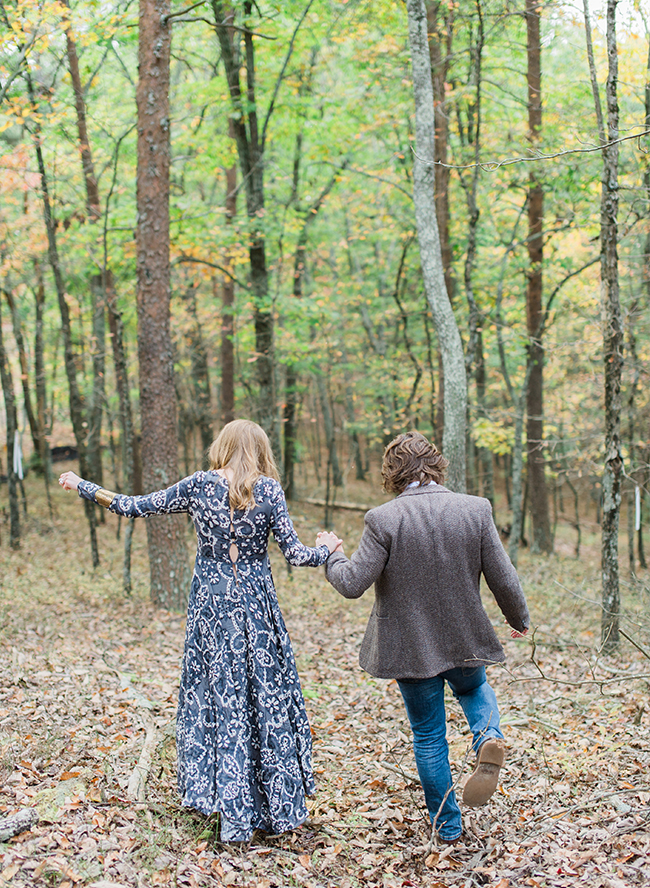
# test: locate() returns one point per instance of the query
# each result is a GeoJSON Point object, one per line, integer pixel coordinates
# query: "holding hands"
{"type": "Point", "coordinates": [329, 539]}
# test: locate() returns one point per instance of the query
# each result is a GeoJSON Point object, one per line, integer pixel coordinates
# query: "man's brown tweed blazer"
{"type": "Point", "coordinates": [425, 552]}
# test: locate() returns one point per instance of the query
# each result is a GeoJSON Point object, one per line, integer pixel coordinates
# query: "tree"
{"type": "Point", "coordinates": [455, 409]}
{"type": "Point", "coordinates": [612, 327]}
{"type": "Point", "coordinates": [12, 425]}
{"type": "Point", "coordinates": [612, 348]}
{"type": "Point", "coordinates": [537, 490]}
{"type": "Point", "coordinates": [165, 534]}
{"type": "Point", "coordinates": [250, 149]}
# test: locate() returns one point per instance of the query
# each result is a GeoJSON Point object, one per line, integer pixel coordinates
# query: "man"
{"type": "Point", "coordinates": [425, 552]}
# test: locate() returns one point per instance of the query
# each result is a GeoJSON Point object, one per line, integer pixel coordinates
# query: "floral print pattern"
{"type": "Point", "coordinates": [243, 739]}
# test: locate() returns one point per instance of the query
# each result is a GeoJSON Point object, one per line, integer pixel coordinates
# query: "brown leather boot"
{"type": "Point", "coordinates": [483, 781]}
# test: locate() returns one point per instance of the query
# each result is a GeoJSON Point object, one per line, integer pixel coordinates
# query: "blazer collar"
{"type": "Point", "coordinates": [429, 488]}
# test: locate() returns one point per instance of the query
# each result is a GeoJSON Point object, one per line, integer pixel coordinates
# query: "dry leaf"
{"type": "Point", "coordinates": [7, 874]}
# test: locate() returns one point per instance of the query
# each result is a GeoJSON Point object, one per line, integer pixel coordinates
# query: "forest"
{"type": "Point", "coordinates": [342, 219]}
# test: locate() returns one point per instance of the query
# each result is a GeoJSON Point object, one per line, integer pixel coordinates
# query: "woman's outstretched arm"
{"type": "Point", "coordinates": [176, 498]}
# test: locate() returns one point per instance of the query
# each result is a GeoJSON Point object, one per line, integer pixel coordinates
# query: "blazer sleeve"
{"type": "Point", "coordinates": [501, 576]}
{"type": "Point", "coordinates": [352, 576]}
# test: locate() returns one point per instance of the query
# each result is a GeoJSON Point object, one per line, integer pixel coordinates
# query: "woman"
{"type": "Point", "coordinates": [243, 739]}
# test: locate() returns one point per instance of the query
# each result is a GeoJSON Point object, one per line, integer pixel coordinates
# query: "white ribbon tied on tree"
{"type": "Point", "coordinates": [18, 456]}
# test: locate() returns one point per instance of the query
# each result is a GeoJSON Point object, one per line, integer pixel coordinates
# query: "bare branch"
{"type": "Point", "coordinates": [220, 268]}
{"type": "Point", "coordinates": [491, 166]}
{"type": "Point", "coordinates": [278, 82]}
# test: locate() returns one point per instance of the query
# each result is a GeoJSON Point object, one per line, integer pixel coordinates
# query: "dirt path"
{"type": "Point", "coordinates": [86, 672]}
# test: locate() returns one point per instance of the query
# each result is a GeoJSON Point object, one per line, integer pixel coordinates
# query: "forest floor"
{"type": "Point", "coordinates": [86, 673]}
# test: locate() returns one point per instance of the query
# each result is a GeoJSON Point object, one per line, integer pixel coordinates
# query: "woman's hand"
{"type": "Point", "coordinates": [69, 481]}
{"type": "Point", "coordinates": [326, 538]}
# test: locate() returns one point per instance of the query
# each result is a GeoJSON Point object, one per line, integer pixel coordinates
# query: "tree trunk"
{"type": "Point", "coordinates": [350, 414]}
{"type": "Point", "coordinates": [165, 534]}
{"type": "Point", "coordinates": [24, 372]}
{"type": "Point", "coordinates": [98, 356]}
{"type": "Point", "coordinates": [130, 449]}
{"type": "Point", "coordinates": [330, 436]}
{"type": "Point", "coordinates": [440, 33]}
{"type": "Point", "coordinates": [97, 282]}
{"type": "Point", "coordinates": [612, 350]}
{"type": "Point", "coordinates": [291, 374]}
{"type": "Point", "coordinates": [75, 396]}
{"type": "Point", "coordinates": [516, 528]}
{"type": "Point", "coordinates": [227, 311]}
{"type": "Point", "coordinates": [40, 383]}
{"type": "Point", "coordinates": [542, 536]}
{"type": "Point", "coordinates": [250, 150]}
{"type": "Point", "coordinates": [200, 374]}
{"type": "Point", "coordinates": [455, 408]}
{"type": "Point", "coordinates": [12, 425]}
{"type": "Point", "coordinates": [475, 358]}
{"type": "Point", "coordinates": [634, 487]}
{"type": "Point", "coordinates": [646, 284]}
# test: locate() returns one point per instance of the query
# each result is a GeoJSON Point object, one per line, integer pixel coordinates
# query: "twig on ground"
{"type": "Point", "coordinates": [138, 780]}
{"type": "Point", "coordinates": [448, 793]}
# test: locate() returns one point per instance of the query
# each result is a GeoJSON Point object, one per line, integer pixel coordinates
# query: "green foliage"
{"type": "Point", "coordinates": [342, 109]}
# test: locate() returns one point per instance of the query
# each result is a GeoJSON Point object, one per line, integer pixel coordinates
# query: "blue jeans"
{"type": "Point", "coordinates": [425, 706]}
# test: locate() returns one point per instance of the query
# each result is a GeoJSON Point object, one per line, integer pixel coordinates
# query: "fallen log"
{"type": "Point", "coordinates": [17, 823]}
{"type": "Point", "coordinates": [353, 507]}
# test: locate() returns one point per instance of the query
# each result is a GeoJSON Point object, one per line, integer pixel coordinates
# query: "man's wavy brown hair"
{"type": "Point", "coordinates": [411, 457]}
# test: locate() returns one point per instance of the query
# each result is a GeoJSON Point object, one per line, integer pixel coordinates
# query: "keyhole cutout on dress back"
{"type": "Point", "coordinates": [233, 551]}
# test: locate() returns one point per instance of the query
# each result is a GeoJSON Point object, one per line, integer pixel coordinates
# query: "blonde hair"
{"type": "Point", "coordinates": [244, 448]}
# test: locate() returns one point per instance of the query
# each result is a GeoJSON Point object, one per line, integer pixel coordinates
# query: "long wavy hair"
{"type": "Point", "coordinates": [244, 448]}
{"type": "Point", "coordinates": [411, 457]}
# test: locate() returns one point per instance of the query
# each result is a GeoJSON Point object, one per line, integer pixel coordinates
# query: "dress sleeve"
{"type": "Point", "coordinates": [176, 498]}
{"type": "Point", "coordinates": [287, 538]}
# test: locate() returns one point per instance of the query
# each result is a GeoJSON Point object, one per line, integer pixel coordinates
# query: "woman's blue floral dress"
{"type": "Point", "coordinates": [243, 739]}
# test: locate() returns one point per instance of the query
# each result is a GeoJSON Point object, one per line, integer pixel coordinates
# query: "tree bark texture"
{"type": "Point", "coordinates": [542, 535]}
{"type": "Point", "coordinates": [646, 286]}
{"type": "Point", "coordinates": [12, 425]}
{"type": "Point", "coordinates": [165, 534]}
{"type": "Point", "coordinates": [455, 406]}
{"type": "Point", "coordinates": [612, 350]}
{"type": "Point", "coordinates": [440, 24]}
